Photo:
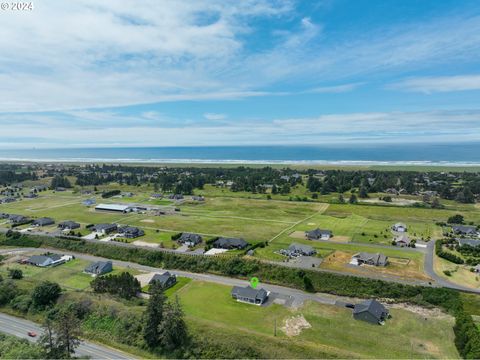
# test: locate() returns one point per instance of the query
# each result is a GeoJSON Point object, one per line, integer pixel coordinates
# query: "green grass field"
{"type": "Point", "coordinates": [333, 332]}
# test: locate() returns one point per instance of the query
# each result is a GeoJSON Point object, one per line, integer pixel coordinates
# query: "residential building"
{"type": "Point", "coordinates": [44, 221]}
{"type": "Point", "coordinates": [230, 243]}
{"type": "Point", "coordinates": [298, 250]}
{"type": "Point", "coordinates": [249, 295]}
{"type": "Point", "coordinates": [399, 227]}
{"type": "Point", "coordinates": [130, 232]}
{"type": "Point", "coordinates": [165, 280]}
{"type": "Point", "coordinates": [190, 239]}
{"type": "Point", "coordinates": [48, 260]}
{"type": "Point", "coordinates": [370, 311]}
{"type": "Point", "coordinates": [470, 242]}
{"type": "Point", "coordinates": [402, 240]}
{"type": "Point", "coordinates": [99, 268]}
{"type": "Point", "coordinates": [89, 202]}
{"type": "Point", "coordinates": [369, 259]}
{"type": "Point", "coordinates": [464, 229]}
{"type": "Point", "coordinates": [105, 228]}
{"type": "Point", "coordinates": [68, 225]}
{"type": "Point", "coordinates": [318, 234]}
{"type": "Point", "coordinates": [18, 219]}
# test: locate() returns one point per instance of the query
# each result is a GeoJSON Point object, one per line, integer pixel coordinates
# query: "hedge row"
{"type": "Point", "coordinates": [446, 255]}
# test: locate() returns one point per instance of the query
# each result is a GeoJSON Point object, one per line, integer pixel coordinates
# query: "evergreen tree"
{"type": "Point", "coordinates": [154, 315]}
{"type": "Point", "coordinates": [173, 333]}
{"type": "Point", "coordinates": [353, 199]}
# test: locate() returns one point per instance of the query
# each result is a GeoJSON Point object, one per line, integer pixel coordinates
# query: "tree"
{"type": "Point", "coordinates": [15, 274]}
{"type": "Point", "coordinates": [353, 199]}
{"type": "Point", "coordinates": [455, 219]}
{"type": "Point", "coordinates": [285, 189]}
{"type": "Point", "coordinates": [341, 199]}
{"type": "Point", "coordinates": [45, 294]}
{"type": "Point", "coordinates": [154, 315]}
{"type": "Point", "coordinates": [363, 193]}
{"type": "Point", "coordinates": [173, 333]}
{"type": "Point", "coordinates": [274, 189]}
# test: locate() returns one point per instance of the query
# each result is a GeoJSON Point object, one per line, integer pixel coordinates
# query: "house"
{"type": "Point", "coordinates": [399, 227]}
{"type": "Point", "coordinates": [392, 191]}
{"type": "Point", "coordinates": [130, 232]}
{"type": "Point", "coordinates": [89, 202]}
{"type": "Point", "coordinates": [18, 219]}
{"type": "Point", "coordinates": [156, 196]}
{"type": "Point", "coordinates": [190, 239]}
{"type": "Point", "coordinates": [105, 228]}
{"type": "Point", "coordinates": [68, 225]}
{"type": "Point", "coordinates": [99, 268]}
{"type": "Point", "coordinates": [48, 260]}
{"type": "Point", "coordinates": [165, 280]}
{"type": "Point", "coordinates": [249, 295]}
{"type": "Point", "coordinates": [370, 311]}
{"type": "Point", "coordinates": [369, 259]}
{"type": "Point", "coordinates": [230, 243]}
{"type": "Point", "coordinates": [299, 250]}
{"type": "Point", "coordinates": [318, 234]}
{"type": "Point", "coordinates": [465, 229]}
{"type": "Point", "coordinates": [175, 196]}
{"type": "Point", "coordinates": [7, 200]}
{"type": "Point", "coordinates": [30, 196]}
{"type": "Point", "coordinates": [198, 198]}
{"type": "Point", "coordinates": [44, 221]}
{"type": "Point", "coordinates": [113, 207]}
{"type": "Point", "coordinates": [470, 242]}
{"type": "Point", "coordinates": [402, 240]}
{"type": "Point", "coordinates": [127, 194]}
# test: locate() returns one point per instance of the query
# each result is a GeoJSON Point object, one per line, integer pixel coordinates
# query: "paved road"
{"type": "Point", "coordinates": [20, 327]}
{"type": "Point", "coordinates": [370, 275]}
{"type": "Point", "coordinates": [428, 268]}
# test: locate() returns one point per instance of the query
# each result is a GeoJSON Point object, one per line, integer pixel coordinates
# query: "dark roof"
{"type": "Point", "coordinates": [305, 249]}
{"type": "Point", "coordinates": [249, 293]}
{"type": "Point", "coordinates": [44, 221]}
{"type": "Point", "coordinates": [465, 229]}
{"type": "Point", "coordinates": [317, 233]}
{"type": "Point", "coordinates": [100, 227]}
{"type": "Point", "coordinates": [376, 258]}
{"type": "Point", "coordinates": [68, 224]}
{"type": "Point", "coordinates": [129, 230]}
{"type": "Point", "coordinates": [161, 278]}
{"type": "Point", "coordinates": [98, 267]}
{"type": "Point", "coordinates": [189, 237]}
{"type": "Point", "coordinates": [230, 242]}
{"type": "Point", "coordinates": [40, 259]}
{"type": "Point", "coordinates": [373, 307]}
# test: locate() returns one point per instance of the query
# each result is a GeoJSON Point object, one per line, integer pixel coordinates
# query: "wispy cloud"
{"type": "Point", "coordinates": [439, 84]}
{"type": "Point", "coordinates": [214, 116]}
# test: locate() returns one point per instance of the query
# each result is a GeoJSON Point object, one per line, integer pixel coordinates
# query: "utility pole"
{"type": "Point", "coordinates": [275, 328]}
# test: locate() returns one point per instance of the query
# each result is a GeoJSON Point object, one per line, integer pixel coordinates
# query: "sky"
{"type": "Point", "coordinates": [110, 73]}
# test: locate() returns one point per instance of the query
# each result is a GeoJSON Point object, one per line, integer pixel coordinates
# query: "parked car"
{"type": "Point", "coordinates": [32, 334]}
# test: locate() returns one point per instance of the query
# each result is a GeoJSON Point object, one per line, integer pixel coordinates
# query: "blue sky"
{"type": "Point", "coordinates": [164, 73]}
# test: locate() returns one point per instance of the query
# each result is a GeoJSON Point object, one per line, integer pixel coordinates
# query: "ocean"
{"type": "Point", "coordinates": [441, 154]}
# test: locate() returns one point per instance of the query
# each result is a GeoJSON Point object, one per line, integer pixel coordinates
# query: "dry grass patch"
{"type": "Point", "coordinates": [294, 325]}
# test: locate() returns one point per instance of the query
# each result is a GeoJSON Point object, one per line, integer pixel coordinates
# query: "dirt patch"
{"type": "Point", "coordinates": [424, 312]}
{"type": "Point", "coordinates": [295, 325]}
{"type": "Point", "coordinates": [144, 243]}
{"type": "Point", "coordinates": [147, 221]}
{"type": "Point", "coordinates": [297, 235]}
{"type": "Point", "coordinates": [340, 238]}
{"type": "Point", "coordinates": [144, 279]}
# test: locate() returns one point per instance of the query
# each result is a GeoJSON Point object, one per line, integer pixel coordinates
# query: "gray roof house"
{"type": "Point", "coordinates": [470, 242]}
{"type": "Point", "coordinates": [300, 249]}
{"type": "Point", "coordinates": [249, 295]}
{"type": "Point", "coordinates": [318, 234]}
{"type": "Point", "coordinates": [190, 239]}
{"type": "Point", "coordinates": [105, 228]}
{"type": "Point", "coordinates": [230, 243]}
{"type": "Point", "coordinates": [369, 259]}
{"type": "Point", "coordinates": [45, 260]}
{"type": "Point", "coordinates": [99, 268]}
{"type": "Point", "coordinates": [371, 311]}
{"type": "Point", "coordinates": [18, 219]}
{"type": "Point", "coordinates": [464, 229]}
{"type": "Point", "coordinates": [44, 221]}
{"type": "Point", "coordinates": [130, 232]}
{"type": "Point", "coordinates": [68, 225]}
{"type": "Point", "coordinates": [165, 280]}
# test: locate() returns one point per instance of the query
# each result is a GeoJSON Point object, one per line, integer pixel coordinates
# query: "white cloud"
{"type": "Point", "coordinates": [214, 116]}
{"type": "Point", "coordinates": [439, 84]}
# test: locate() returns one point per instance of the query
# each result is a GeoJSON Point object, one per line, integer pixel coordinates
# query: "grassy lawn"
{"type": "Point", "coordinates": [460, 274]}
{"type": "Point", "coordinates": [69, 275]}
{"type": "Point", "coordinates": [334, 332]}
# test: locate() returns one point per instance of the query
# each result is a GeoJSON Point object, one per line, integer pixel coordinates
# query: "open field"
{"type": "Point", "coordinates": [333, 331]}
{"type": "Point", "coordinates": [460, 274]}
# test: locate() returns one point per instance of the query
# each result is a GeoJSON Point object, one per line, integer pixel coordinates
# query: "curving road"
{"type": "Point", "coordinates": [20, 327]}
